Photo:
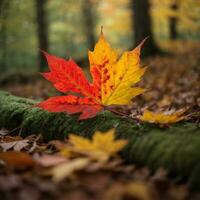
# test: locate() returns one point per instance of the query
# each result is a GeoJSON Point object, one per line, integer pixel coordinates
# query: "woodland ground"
{"type": "Point", "coordinates": [172, 82]}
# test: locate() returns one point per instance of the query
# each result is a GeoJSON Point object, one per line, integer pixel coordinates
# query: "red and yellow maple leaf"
{"type": "Point", "coordinates": [113, 79]}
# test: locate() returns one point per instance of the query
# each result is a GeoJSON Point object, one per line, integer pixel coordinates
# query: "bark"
{"type": "Point", "coordinates": [173, 22]}
{"type": "Point", "coordinates": [89, 23]}
{"type": "Point", "coordinates": [1, 6]}
{"type": "Point", "coordinates": [42, 31]}
{"type": "Point", "coordinates": [175, 148]}
{"type": "Point", "coordinates": [142, 26]}
{"type": "Point", "coordinates": [4, 8]}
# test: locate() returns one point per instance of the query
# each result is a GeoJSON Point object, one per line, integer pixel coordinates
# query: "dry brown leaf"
{"type": "Point", "coordinates": [50, 160]}
{"type": "Point", "coordinates": [15, 145]}
{"type": "Point", "coordinates": [16, 159]}
{"type": "Point", "coordinates": [3, 131]}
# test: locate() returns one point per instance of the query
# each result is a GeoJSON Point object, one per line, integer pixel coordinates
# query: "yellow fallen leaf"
{"type": "Point", "coordinates": [66, 169]}
{"type": "Point", "coordinates": [106, 142]}
{"type": "Point", "coordinates": [65, 152]}
{"type": "Point", "coordinates": [162, 118]}
{"type": "Point", "coordinates": [139, 190]}
{"type": "Point", "coordinates": [101, 147]}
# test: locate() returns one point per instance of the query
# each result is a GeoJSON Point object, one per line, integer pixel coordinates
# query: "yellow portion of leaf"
{"type": "Point", "coordinates": [102, 145]}
{"type": "Point", "coordinates": [128, 72]}
{"type": "Point", "coordinates": [103, 59]}
{"type": "Point", "coordinates": [127, 60]}
{"type": "Point", "coordinates": [113, 77]}
{"type": "Point", "coordinates": [162, 118]}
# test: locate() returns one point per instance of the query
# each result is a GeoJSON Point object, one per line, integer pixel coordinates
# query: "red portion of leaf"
{"type": "Point", "coordinates": [71, 104]}
{"type": "Point", "coordinates": [67, 76]}
{"type": "Point", "coordinates": [96, 75]}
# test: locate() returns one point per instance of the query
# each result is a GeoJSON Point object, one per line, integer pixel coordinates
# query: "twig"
{"type": "Point", "coordinates": [123, 115]}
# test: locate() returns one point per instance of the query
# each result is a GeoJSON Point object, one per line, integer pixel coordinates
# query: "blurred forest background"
{"type": "Point", "coordinates": [68, 28]}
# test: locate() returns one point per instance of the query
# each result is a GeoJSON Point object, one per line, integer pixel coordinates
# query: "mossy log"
{"type": "Point", "coordinates": [176, 148]}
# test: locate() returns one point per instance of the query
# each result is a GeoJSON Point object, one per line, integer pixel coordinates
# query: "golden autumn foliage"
{"type": "Point", "coordinates": [81, 152]}
{"type": "Point", "coordinates": [101, 147]}
{"type": "Point", "coordinates": [162, 118]}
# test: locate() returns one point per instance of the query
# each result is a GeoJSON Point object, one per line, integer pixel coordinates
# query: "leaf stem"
{"type": "Point", "coordinates": [123, 115]}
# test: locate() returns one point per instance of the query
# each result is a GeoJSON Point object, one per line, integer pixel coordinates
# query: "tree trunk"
{"type": "Point", "coordinates": [173, 21]}
{"type": "Point", "coordinates": [4, 8]}
{"type": "Point", "coordinates": [1, 6]}
{"type": "Point", "coordinates": [89, 25]}
{"type": "Point", "coordinates": [142, 26]}
{"type": "Point", "coordinates": [175, 148]}
{"type": "Point", "coordinates": [42, 31]}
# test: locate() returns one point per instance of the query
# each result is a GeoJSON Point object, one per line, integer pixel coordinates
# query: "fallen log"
{"type": "Point", "coordinates": [176, 148]}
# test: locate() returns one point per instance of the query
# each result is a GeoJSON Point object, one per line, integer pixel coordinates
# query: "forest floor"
{"type": "Point", "coordinates": [172, 82]}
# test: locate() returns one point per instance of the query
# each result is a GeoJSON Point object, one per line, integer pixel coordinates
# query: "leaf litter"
{"type": "Point", "coordinates": [75, 175]}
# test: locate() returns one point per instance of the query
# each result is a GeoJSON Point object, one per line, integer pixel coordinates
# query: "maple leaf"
{"type": "Point", "coordinates": [101, 147]}
{"type": "Point", "coordinates": [113, 81]}
{"type": "Point", "coordinates": [162, 118]}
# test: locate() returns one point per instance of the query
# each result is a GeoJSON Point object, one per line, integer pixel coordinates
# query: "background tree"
{"type": "Point", "coordinates": [42, 30]}
{"type": "Point", "coordinates": [89, 22]}
{"type": "Point", "coordinates": [1, 6]}
{"type": "Point", "coordinates": [142, 26]}
{"type": "Point", "coordinates": [68, 34]}
{"type": "Point", "coordinates": [173, 21]}
{"type": "Point", "coordinates": [4, 8]}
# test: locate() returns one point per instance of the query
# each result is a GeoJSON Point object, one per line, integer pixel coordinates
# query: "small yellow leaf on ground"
{"type": "Point", "coordinates": [139, 190]}
{"type": "Point", "coordinates": [162, 118]}
{"type": "Point", "coordinates": [101, 147]}
{"type": "Point", "coordinates": [106, 142]}
{"type": "Point", "coordinates": [66, 169]}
